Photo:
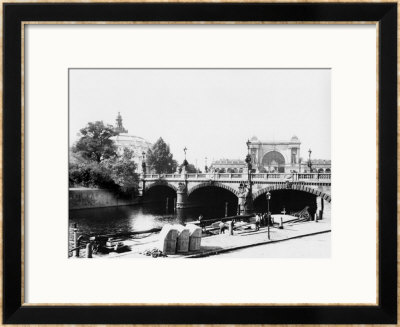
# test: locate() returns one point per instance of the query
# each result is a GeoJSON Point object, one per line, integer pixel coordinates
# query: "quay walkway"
{"type": "Point", "coordinates": [213, 245]}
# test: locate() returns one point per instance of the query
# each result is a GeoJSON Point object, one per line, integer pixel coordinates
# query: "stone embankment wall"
{"type": "Point", "coordinates": [327, 210]}
{"type": "Point", "coordinates": [83, 198]}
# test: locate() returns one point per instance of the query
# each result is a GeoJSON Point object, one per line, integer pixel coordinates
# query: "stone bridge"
{"type": "Point", "coordinates": [185, 184]}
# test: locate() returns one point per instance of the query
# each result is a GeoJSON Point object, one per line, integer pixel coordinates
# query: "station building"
{"type": "Point", "coordinates": [273, 157]}
{"type": "Point", "coordinates": [276, 156]}
{"type": "Point", "coordinates": [228, 166]}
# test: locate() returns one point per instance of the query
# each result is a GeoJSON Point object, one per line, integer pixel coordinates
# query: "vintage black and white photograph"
{"type": "Point", "coordinates": [199, 163]}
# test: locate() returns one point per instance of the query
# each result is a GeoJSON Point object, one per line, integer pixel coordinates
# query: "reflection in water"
{"type": "Point", "coordinates": [125, 219]}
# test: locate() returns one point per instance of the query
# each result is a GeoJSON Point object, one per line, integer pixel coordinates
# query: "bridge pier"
{"type": "Point", "coordinates": [249, 208]}
{"type": "Point", "coordinates": [181, 196]}
{"type": "Point", "coordinates": [142, 185]}
{"type": "Point", "coordinates": [245, 203]}
{"type": "Point", "coordinates": [141, 188]}
{"type": "Point", "coordinates": [241, 204]}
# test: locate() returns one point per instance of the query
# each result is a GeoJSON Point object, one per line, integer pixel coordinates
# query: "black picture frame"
{"type": "Point", "coordinates": [15, 312]}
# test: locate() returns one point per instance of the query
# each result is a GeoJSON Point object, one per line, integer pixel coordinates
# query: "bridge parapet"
{"type": "Point", "coordinates": [161, 176]}
{"type": "Point", "coordinates": [292, 177]}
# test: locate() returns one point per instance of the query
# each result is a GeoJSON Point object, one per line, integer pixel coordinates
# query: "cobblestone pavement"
{"type": "Point", "coordinates": [311, 246]}
{"type": "Point", "coordinates": [216, 244]}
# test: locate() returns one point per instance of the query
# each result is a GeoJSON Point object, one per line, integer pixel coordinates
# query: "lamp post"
{"type": "Point", "coordinates": [205, 165]}
{"type": "Point", "coordinates": [309, 160]}
{"type": "Point", "coordinates": [185, 163]}
{"type": "Point", "coordinates": [249, 195]}
{"type": "Point", "coordinates": [268, 215]}
{"type": "Point", "coordinates": [299, 165]}
{"type": "Point", "coordinates": [144, 163]}
{"type": "Point", "coordinates": [248, 161]}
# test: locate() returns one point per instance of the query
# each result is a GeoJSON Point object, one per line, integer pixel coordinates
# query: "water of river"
{"type": "Point", "coordinates": [112, 220]}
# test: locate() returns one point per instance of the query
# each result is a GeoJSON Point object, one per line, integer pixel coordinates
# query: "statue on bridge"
{"type": "Point", "coordinates": [245, 199]}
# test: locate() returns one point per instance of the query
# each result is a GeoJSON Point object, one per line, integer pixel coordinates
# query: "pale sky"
{"type": "Point", "coordinates": [210, 111]}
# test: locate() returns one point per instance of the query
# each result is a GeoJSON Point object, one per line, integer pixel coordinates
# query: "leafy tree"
{"type": "Point", "coordinates": [190, 169]}
{"type": "Point", "coordinates": [75, 158]}
{"type": "Point", "coordinates": [94, 143]}
{"type": "Point", "coordinates": [174, 166]}
{"type": "Point", "coordinates": [116, 174]}
{"type": "Point", "coordinates": [90, 175]}
{"type": "Point", "coordinates": [122, 171]}
{"type": "Point", "coordinates": [160, 159]}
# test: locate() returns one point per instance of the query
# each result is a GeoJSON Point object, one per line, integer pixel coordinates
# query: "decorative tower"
{"type": "Point", "coordinates": [120, 128]}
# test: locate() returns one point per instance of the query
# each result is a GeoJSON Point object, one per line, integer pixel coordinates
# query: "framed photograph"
{"type": "Point", "coordinates": [199, 163]}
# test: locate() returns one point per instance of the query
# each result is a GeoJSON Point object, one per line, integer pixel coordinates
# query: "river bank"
{"type": "Point", "coordinates": [89, 198]}
{"type": "Point", "coordinates": [310, 246]}
{"type": "Point", "coordinates": [223, 244]}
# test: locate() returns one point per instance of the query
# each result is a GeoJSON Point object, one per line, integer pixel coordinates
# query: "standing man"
{"type": "Point", "coordinates": [257, 222]}
{"type": "Point", "coordinates": [201, 223]}
{"type": "Point", "coordinates": [221, 228]}
{"type": "Point", "coordinates": [262, 219]}
{"type": "Point", "coordinates": [231, 225]}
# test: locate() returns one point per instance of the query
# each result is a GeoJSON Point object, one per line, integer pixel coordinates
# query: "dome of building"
{"type": "Point", "coordinates": [254, 139]}
{"type": "Point", "coordinates": [294, 139]}
{"type": "Point", "coordinates": [136, 144]}
{"type": "Point", "coordinates": [123, 140]}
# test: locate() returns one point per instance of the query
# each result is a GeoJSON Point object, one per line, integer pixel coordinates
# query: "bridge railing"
{"type": "Point", "coordinates": [291, 176]}
{"type": "Point", "coordinates": [243, 176]}
{"type": "Point", "coordinates": [314, 176]}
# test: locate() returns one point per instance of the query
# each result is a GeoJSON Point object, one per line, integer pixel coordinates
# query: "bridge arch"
{"type": "Point", "coordinates": [148, 186]}
{"type": "Point", "coordinates": [303, 188]}
{"type": "Point", "coordinates": [216, 184]}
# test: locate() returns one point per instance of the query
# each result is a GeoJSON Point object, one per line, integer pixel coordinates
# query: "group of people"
{"type": "Point", "coordinates": [262, 220]}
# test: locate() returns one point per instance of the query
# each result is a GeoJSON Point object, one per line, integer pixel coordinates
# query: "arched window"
{"type": "Point", "coordinates": [275, 161]}
{"type": "Point", "coordinates": [294, 155]}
